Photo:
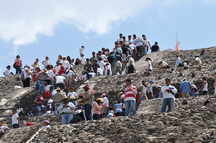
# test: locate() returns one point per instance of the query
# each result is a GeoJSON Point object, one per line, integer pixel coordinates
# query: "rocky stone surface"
{"type": "Point", "coordinates": [190, 123]}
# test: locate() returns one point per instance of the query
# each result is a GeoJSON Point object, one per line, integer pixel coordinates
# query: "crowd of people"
{"type": "Point", "coordinates": [56, 94]}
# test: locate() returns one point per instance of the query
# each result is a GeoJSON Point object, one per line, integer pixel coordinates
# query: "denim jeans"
{"type": "Point", "coordinates": [168, 103]}
{"type": "Point", "coordinates": [130, 109]}
{"type": "Point", "coordinates": [88, 113]}
{"type": "Point", "coordinates": [40, 86]}
{"type": "Point", "coordinates": [66, 118]}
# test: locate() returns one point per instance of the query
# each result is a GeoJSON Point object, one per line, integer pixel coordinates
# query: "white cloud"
{"type": "Point", "coordinates": [21, 21]}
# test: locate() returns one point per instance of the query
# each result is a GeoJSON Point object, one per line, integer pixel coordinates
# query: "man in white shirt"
{"type": "Point", "coordinates": [60, 81]}
{"type": "Point", "coordinates": [168, 92]}
{"type": "Point", "coordinates": [8, 72]}
{"type": "Point", "coordinates": [82, 51]}
{"type": "Point", "coordinates": [15, 118]}
{"type": "Point", "coordinates": [179, 62]}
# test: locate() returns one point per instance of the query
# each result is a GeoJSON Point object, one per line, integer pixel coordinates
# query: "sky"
{"type": "Point", "coordinates": [39, 28]}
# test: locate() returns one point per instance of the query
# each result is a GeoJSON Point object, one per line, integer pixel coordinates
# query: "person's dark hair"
{"type": "Point", "coordinates": [18, 56]}
{"type": "Point", "coordinates": [128, 80]}
{"type": "Point", "coordinates": [120, 35]}
{"type": "Point", "coordinates": [8, 67]}
{"type": "Point", "coordinates": [156, 43]}
{"type": "Point", "coordinates": [167, 80]}
{"type": "Point", "coordinates": [204, 78]}
{"type": "Point", "coordinates": [59, 56]}
{"type": "Point", "coordinates": [69, 59]}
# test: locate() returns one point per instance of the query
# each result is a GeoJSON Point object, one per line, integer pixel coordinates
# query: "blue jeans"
{"type": "Point", "coordinates": [88, 113]}
{"type": "Point", "coordinates": [130, 109]}
{"type": "Point", "coordinates": [40, 86]}
{"type": "Point", "coordinates": [168, 103]}
{"type": "Point", "coordinates": [66, 118]}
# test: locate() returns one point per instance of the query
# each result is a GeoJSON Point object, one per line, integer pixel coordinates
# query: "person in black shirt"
{"type": "Point", "coordinates": [155, 47]}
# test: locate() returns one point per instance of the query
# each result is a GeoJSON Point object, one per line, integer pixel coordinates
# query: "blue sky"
{"type": "Point", "coordinates": [47, 28]}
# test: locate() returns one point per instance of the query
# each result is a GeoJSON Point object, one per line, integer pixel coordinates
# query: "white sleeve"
{"type": "Point", "coordinates": [174, 90]}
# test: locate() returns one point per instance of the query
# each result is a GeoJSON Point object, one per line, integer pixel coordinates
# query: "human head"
{"type": "Point", "coordinates": [144, 37]}
{"type": "Point", "coordinates": [134, 36]}
{"type": "Point", "coordinates": [93, 54]}
{"type": "Point", "coordinates": [59, 57]}
{"type": "Point", "coordinates": [156, 43]}
{"type": "Point", "coordinates": [58, 89]}
{"type": "Point", "coordinates": [128, 81]}
{"type": "Point", "coordinates": [18, 56]}
{"type": "Point", "coordinates": [8, 67]}
{"type": "Point", "coordinates": [167, 81]}
{"type": "Point", "coordinates": [204, 79]}
{"type": "Point", "coordinates": [144, 83]}
{"type": "Point", "coordinates": [120, 35]}
{"type": "Point", "coordinates": [129, 37]}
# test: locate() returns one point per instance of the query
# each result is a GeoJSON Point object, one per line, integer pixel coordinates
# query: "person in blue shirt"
{"type": "Point", "coordinates": [118, 109]}
{"type": "Point", "coordinates": [185, 88]}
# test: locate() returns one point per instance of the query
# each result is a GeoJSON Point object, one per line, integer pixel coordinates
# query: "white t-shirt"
{"type": "Point", "coordinates": [15, 118]}
{"type": "Point", "coordinates": [51, 74]}
{"type": "Point", "coordinates": [106, 102]}
{"type": "Point", "coordinates": [82, 51]}
{"type": "Point", "coordinates": [7, 73]}
{"type": "Point", "coordinates": [178, 61]}
{"type": "Point", "coordinates": [60, 79]}
{"type": "Point", "coordinates": [168, 94]}
{"type": "Point", "coordinates": [66, 64]}
{"type": "Point", "coordinates": [205, 88]}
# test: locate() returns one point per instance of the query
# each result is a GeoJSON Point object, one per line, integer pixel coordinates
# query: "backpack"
{"type": "Point", "coordinates": [18, 63]}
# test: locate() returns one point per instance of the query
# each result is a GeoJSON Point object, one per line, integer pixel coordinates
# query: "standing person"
{"type": "Point", "coordinates": [149, 67]}
{"type": "Point", "coordinates": [215, 87]}
{"type": "Point", "coordinates": [131, 66]}
{"type": "Point", "coordinates": [155, 47]}
{"type": "Point", "coordinates": [168, 92]}
{"type": "Point", "coordinates": [87, 100]}
{"type": "Point", "coordinates": [18, 65]}
{"type": "Point", "coordinates": [46, 62]}
{"type": "Point", "coordinates": [82, 49]}
{"type": "Point", "coordinates": [97, 109]}
{"type": "Point", "coordinates": [15, 118]}
{"type": "Point", "coordinates": [205, 86]}
{"type": "Point", "coordinates": [101, 66]}
{"type": "Point", "coordinates": [179, 62]}
{"type": "Point", "coordinates": [26, 77]}
{"type": "Point", "coordinates": [118, 67]}
{"type": "Point", "coordinates": [147, 44]}
{"type": "Point", "coordinates": [145, 90]}
{"type": "Point", "coordinates": [185, 88]}
{"type": "Point", "coordinates": [129, 97]}
{"type": "Point", "coordinates": [105, 103]}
